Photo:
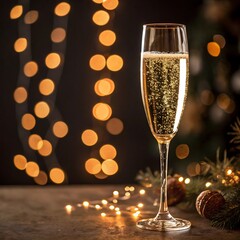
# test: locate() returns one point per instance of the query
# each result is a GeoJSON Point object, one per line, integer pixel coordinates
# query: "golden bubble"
{"type": "Point", "coordinates": [182, 151]}
{"type": "Point", "coordinates": [114, 126]}
{"type": "Point", "coordinates": [53, 60]}
{"type": "Point", "coordinates": [46, 86]}
{"type": "Point", "coordinates": [57, 175]}
{"type": "Point", "coordinates": [60, 129]}
{"type": "Point", "coordinates": [108, 151]}
{"type": "Point", "coordinates": [213, 49]}
{"type": "Point", "coordinates": [20, 44]}
{"type": "Point", "coordinates": [102, 111]}
{"type": "Point", "coordinates": [41, 179]}
{"type": "Point", "coordinates": [93, 166]}
{"type": "Point", "coordinates": [30, 69]}
{"type": "Point", "coordinates": [28, 121]}
{"type": "Point", "coordinates": [100, 17]}
{"type": "Point", "coordinates": [89, 137]}
{"type": "Point", "coordinates": [58, 35]}
{"type": "Point", "coordinates": [46, 148]}
{"type": "Point", "coordinates": [20, 161]}
{"type": "Point", "coordinates": [16, 12]}
{"type": "Point", "coordinates": [35, 141]}
{"type": "Point", "coordinates": [114, 63]}
{"type": "Point", "coordinates": [109, 167]}
{"type": "Point", "coordinates": [107, 37]}
{"type": "Point", "coordinates": [20, 95]}
{"type": "Point", "coordinates": [31, 17]}
{"type": "Point", "coordinates": [104, 87]}
{"type": "Point", "coordinates": [32, 169]}
{"type": "Point", "coordinates": [62, 9]}
{"type": "Point", "coordinates": [97, 62]}
{"type": "Point", "coordinates": [42, 109]}
{"type": "Point", "coordinates": [110, 4]}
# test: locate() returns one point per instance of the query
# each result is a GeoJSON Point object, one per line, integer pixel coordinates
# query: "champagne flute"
{"type": "Point", "coordinates": [164, 83]}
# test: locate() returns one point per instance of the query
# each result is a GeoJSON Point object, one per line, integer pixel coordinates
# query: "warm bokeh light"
{"type": "Point", "coordinates": [182, 151]}
{"type": "Point", "coordinates": [114, 63]}
{"type": "Point", "coordinates": [104, 87]}
{"type": "Point", "coordinates": [30, 69]}
{"type": "Point", "coordinates": [42, 109]}
{"type": "Point", "coordinates": [223, 101]}
{"type": "Point", "coordinates": [102, 111]}
{"type": "Point", "coordinates": [98, 1]}
{"type": "Point", "coordinates": [46, 148]}
{"type": "Point", "coordinates": [107, 37]}
{"type": "Point", "coordinates": [57, 175]}
{"type": "Point", "coordinates": [207, 97]}
{"type": "Point", "coordinates": [20, 44]}
{"type": "Point", "coordinates": [101, 175]}
{"type": "Point", "coordinates": [213, 49]}
{"type": "Point", "coordinates": [110, 4]}
{"type": "Point", "coordinates": [97, 62]}
{"type": "Point", "coordinates": [58, 35]}
{"type": "Point", "coordinates": [41, 179]}
{"type": "Point", "coordinates": [46, 86]}
{"type": "Point", "coordinates": [35, 141]}
{"type": "Point", "coordinates": [16, 12]}
{"type": "Point", "coordinates": [20, 161]}
{"type": "Point", "coordinates": [32, 169]}
{"type": "Point", "coordinates": [187, 181]}
{"type": "Point", "coordinates": [89, 137]}
{"type": "Point", "coordinates": [53, 60]}
{"type": "Point", "coordinates": [31, 17]}
{"type": "Point", "coordinates": [101, 17]}
{"type": "Point", "coordinates": [28, 121]}
{"type": "Point", "coordinates": [220, 40]}
{"type": "Point", "coordinates": [114, 126]}
{"type": "Point", "coordinates": [60, 129]}
{"type": "Point", "coordinates": [109, 167]}
{"type": "Point", "coordinates": [20, 95]}
{"type": "Point", "coordinates": [62, 9]}
{"type": "Point", "coordinates": [108, 151]}
{"type": "Point", "coordinates": [93, 166]}
{"type": "Point", "coordinates": [193, 169]}
{"type": "Point", "coordinates": [231, 107]}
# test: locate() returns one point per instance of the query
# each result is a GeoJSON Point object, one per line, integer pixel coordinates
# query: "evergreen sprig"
{"type": "Point", "coordinates": [229, 216]}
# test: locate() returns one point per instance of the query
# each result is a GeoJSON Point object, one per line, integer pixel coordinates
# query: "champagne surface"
{"type": "Point", "coordinates": [164, 90]}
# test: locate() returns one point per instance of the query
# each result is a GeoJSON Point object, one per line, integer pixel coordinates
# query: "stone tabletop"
{"type": "Point", "coordinates": [32, 212]}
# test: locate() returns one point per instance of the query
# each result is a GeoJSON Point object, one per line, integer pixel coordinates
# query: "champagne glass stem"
{"type": "Point", "coordinates": [163, 212]}
{"type": "Point", "coordinates": [163, 151]}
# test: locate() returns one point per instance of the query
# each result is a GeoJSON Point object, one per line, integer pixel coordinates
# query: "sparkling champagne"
{"type": "Point", "coordinates": [165, 82]}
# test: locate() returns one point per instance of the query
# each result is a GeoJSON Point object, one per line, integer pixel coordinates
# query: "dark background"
{"type": "Point", "coordinates": [75, 96]}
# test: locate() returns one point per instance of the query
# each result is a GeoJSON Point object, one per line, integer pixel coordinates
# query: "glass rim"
{"type": "Point", "coordinates": [164, 25]}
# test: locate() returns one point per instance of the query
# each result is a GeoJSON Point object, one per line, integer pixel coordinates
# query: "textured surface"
{"type": "Point", "coordinates": [39, 213]}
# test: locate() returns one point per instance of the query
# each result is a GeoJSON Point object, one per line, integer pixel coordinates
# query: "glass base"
{"type": "Point", "coordinates": [174, 224]}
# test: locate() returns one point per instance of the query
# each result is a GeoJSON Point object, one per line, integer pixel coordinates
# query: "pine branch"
{"type": "Point", "coordinates": [229, 216]}
{"type": "Point", "coordinates": [236, 132]}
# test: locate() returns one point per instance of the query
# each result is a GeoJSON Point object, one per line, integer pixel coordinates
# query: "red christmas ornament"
{"type": "Point", "coordinates": [175, 191]}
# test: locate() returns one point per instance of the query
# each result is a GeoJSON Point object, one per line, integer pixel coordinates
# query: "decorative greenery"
{"type": "Point", "coordinates": [229, 216]}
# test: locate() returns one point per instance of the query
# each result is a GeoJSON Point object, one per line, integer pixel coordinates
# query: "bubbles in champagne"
{"type": "Point", "coordinates": [165, 82]}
